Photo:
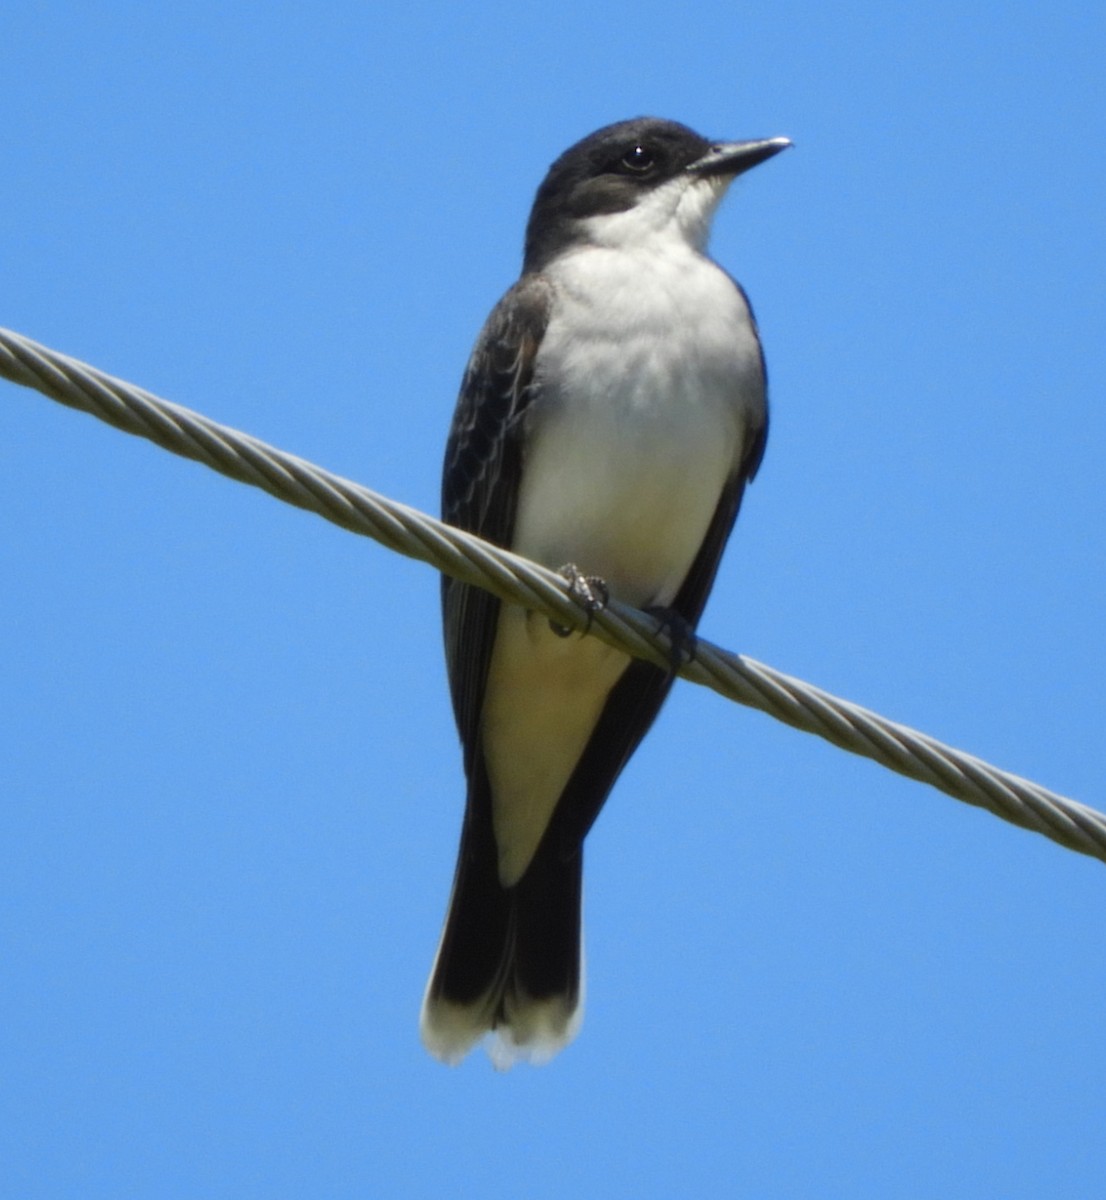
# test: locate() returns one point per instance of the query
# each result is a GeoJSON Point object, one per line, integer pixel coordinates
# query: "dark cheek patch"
{"type": "Point", "coordinates": [605, 194]}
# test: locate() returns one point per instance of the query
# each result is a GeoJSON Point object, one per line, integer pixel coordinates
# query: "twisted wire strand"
{"type": "Point", "coordinates": [519, 581]}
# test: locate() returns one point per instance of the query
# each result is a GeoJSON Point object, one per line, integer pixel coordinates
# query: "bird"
{"type": "Point", "coordinates": [610, 415]}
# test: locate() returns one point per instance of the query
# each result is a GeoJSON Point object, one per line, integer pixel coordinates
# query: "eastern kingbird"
{"type": "Point", "coordinates": [609, 418]}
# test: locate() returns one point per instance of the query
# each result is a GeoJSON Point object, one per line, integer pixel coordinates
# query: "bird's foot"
{"type": "Point", "coordinates": [589, 591]}
{"type": "Point", "coordinates": [681, 635]}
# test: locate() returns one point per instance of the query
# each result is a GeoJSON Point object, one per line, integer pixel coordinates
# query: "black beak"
{"type": "Point", "coordinates": [733, 158]}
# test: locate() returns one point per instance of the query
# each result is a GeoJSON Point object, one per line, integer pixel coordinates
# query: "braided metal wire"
{"type": "Point", "coordinates": [519, 581]}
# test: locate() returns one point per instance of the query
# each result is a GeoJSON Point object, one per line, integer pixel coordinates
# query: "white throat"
{"type": "Point", "coordinates": [680, 210]}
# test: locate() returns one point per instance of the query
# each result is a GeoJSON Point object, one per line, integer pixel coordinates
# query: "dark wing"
{"type": "Point", "coordinates": [480, 481]}
{"type": "Point", "coordinates": [692, 596]}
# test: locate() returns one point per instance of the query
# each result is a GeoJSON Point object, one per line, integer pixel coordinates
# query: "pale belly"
{"type": "Point", "coordinates": [622, 494]}
{"type": "Point", "coordinates": [622, 481]}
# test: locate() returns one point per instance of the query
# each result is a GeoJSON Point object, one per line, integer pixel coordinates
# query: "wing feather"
{"type": "Point", "coordinates": [480, 482]}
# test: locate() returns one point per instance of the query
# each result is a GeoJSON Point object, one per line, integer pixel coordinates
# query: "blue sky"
{"type": "Point", "coordinates": [231, 784]}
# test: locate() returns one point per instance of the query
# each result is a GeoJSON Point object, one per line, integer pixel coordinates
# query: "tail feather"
{"type": "Point", "coordinates": [510, 960]}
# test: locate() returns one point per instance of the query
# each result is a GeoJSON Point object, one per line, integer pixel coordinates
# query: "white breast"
{"type": "Point", "coordinates": [646, 378]}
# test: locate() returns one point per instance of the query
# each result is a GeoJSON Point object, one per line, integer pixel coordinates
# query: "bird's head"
{"type": "Point", "coordinates": [633, 181]}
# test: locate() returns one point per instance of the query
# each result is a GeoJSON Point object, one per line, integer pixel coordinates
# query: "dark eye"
{"type": "Point", "coordinates": [638, 160]}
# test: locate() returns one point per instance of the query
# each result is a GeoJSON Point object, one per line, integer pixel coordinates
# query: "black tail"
{"type": "Point", "coordinates": [509, 960]}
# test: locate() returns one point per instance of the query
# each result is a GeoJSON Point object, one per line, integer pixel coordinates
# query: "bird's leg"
{"type": "Point", "coordinates": [589, 591]}
{"type": "Point", "coordinates": [681, 635]}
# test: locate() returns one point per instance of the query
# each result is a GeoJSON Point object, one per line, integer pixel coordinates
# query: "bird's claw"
{"type": "Point", "coordinates": [681, 635]}
{"type": "Point", "coordinates": [589, 591]}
